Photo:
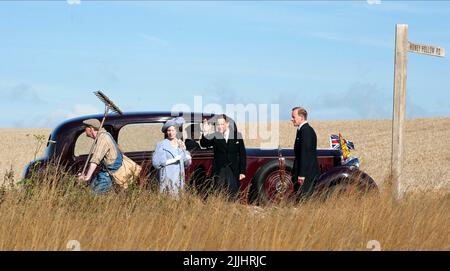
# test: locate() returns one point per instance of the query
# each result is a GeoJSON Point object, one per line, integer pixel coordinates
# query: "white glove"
{"type": "Point", "coordinates": [173, 160]}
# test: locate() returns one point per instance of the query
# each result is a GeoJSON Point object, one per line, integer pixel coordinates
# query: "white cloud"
{"type": "Point", "coordinates": [82, 109]}
{"type": "Point", "coordinates": [360, 101]}
{"type": "Point", "coordinates": [73, 2]}
{"type": "Point", "coordinates": [19, 93]}
{"type": "Point", "coordinates": [374, 2]}
{"type": "Point", "coordinates": [153, 39]}
{"type": "Point", "coordinates": [54, 118]}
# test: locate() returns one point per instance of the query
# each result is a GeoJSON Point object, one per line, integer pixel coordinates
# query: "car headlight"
{"type": "Point", "coordinates": [352, 162]}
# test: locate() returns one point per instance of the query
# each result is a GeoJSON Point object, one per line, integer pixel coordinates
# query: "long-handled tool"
{"type": "Point", "coordinates": [109, 105]}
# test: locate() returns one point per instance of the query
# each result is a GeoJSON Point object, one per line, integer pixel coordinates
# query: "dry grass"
{"type": "Point", "coordinates": [141, 220]}
{"type": "Point", "coordinates": [46, 217]}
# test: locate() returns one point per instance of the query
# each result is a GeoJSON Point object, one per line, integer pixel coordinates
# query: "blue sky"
{"type": "Point", "coordinates": [334, 58]}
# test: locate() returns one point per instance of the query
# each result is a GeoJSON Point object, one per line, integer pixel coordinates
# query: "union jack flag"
{"type": "Point", "coordinates": [335, 143]}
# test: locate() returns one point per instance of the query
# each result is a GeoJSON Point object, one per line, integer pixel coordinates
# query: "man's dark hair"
{"type": "Point", "coordinates": [223, 116]}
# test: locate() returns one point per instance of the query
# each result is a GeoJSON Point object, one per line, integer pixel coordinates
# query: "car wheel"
{"type": "Point", "coordinates": [272, 185]}
{"type": "Point", "coordinates": [357, 184]}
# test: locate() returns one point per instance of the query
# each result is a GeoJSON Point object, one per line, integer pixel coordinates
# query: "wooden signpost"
{"type": "Point", "coordinates": [402, 47]}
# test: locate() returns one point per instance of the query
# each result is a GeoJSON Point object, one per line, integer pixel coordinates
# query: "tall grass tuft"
{"type": "Point", "coordinates": [51, 208]}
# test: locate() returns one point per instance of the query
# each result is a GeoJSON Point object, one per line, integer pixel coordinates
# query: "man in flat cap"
{"type": "Point", "coordinates": [106, 155]}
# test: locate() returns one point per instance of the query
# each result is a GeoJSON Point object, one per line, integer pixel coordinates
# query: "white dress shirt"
{"type": "Point", "coordinates": [226, 135]}
{"type": "Point", "coordinates": [300, 126]}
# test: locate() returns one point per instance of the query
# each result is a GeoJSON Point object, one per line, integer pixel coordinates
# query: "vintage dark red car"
{"type": "Point", "coordinates": [268, 170]}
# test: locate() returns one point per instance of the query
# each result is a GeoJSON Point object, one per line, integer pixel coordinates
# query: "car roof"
{"type": "Point", "coordinates": [117, 120]}
{"type": "Point", "coordinates": [143, 116]}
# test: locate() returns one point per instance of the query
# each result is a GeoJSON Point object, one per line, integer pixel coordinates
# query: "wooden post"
{"type": "Point", "coordinates": [402, 47]}
{"type": "Point", "coordinates": [401, 61]}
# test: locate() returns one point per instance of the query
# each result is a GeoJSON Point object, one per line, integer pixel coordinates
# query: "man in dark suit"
{"type": "Point", "coordinates": [230, 160]}
{"type": "Point", "coordinates": [306, 168]}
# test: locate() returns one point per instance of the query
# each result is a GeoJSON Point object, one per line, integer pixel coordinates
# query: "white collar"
{"type": "Point", "coordinates": [300, 126]}
{"type": "Point", "coordinates": [226, 135]}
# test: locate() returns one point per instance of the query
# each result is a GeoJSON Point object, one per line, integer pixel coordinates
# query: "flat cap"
{"type": "Point", "coordinates": [95, 123]}
{"type": "Point", "coordinates": [176, 122]}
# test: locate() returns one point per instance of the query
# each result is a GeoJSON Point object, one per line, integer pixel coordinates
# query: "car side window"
{"type": "Point", "coordinates": [83, 144]}
{"type": "Point", "coordinates": [140, 137]}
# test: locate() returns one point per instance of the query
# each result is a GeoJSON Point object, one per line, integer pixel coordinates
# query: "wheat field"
{"type": "Point", "coordinates": [46, 217]}
{"type": "Point", "coordinates": [427, 151]}
{"type": "Point", "coordinates": [50, 218]}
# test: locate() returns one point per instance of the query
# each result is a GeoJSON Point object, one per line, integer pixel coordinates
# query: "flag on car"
{"type": "Point", "coordinates": [338, 142]}
{"type": "Point", "coordinates": [344, 147]}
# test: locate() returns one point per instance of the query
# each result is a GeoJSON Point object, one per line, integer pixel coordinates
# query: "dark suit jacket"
{"type": "Point", "coordinates": [305, 163]}
{"type": "Point", "coordinates": [230, 153]}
